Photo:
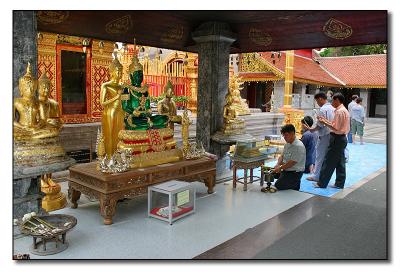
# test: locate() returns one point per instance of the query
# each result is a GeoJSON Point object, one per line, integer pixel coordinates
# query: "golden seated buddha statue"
{"type": "Point", "coordinates": [36, 123]}
{"type": "Point", "coordinates": [239, 104]}
{"type": "Point", "coordinates": [167, 106]}
{"type": "Point", "coordinates": [54, 198]}
{"type": "Point", "coordinates": [232, 124]}
{"type": "Point", "coordinates": [28, 122]}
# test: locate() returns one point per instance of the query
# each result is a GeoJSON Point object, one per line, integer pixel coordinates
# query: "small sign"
{"type": "Point", "coordinates": [182, 198]}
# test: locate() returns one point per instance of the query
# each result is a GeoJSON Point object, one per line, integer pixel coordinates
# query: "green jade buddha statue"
{"type": "Point", "coordinates": [136, 102]}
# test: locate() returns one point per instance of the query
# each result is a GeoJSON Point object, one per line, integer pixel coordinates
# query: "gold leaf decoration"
{"type": "Point", "coordinates": [120, 25]}
{"type": "Point", "coordinates": [52, 16]}
{"type": "Point", "coordinates": [260, 37]}
{"type": "Point", "coordinates": [337, 30]}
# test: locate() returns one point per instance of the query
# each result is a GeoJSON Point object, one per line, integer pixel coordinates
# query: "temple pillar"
{"type": "Point", "coordinates": [213, 40]}
{"type": "Point", "coordinates": [279, 89]}
{"type": "Point", "coordinates": [24, 45]}
{"type": "Point", "coordinates": [364, 95]}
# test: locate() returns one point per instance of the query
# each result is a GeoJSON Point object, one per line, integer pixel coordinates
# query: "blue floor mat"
{"type": "Point", "coordinates": [364, 160]}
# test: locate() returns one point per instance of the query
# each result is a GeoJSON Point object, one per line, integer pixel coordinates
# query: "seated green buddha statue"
{"type": "Point", "coordinates": [136, 102]}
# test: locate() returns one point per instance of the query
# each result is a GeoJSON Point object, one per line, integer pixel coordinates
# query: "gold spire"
{"type": "Point", "coordinates": [44, 79]}
{"type": "Point", "coordinates": [28, 75]}
{"type": "Point", "coordinates": [115, 64]}
{"type": "Point", "coordinates": [135, 64]}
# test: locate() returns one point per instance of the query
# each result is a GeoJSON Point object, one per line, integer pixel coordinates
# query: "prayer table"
{"type": "Point", "coordinates": [109, 188]}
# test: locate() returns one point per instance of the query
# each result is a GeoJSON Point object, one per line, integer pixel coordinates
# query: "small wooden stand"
{"type": "Point", "coordinates": [246, 166]}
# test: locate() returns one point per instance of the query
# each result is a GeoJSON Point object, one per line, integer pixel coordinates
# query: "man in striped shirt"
{"type": "Point", "coordinates": [334, 158]}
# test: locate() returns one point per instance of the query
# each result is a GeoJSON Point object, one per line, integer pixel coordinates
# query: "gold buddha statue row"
{"type": "Point", "coordinates": [131, 135]}
{"type": "Point", "coordinates": [37, 122]}
{"type": "Point", "coordinates": [36, 128]}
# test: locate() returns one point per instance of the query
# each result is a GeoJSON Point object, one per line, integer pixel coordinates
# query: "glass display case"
{"type": "Point", "coordinates": [172, 200]}
{"type": "Point", "coordinates": [253, 150]}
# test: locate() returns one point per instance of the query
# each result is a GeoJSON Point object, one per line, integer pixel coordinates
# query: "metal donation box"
{"type": "Point", "coordinates": [171, 200]}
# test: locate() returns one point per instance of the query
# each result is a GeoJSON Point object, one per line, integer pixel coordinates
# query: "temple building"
{"type": "Point", "coordinates": [363, 75]}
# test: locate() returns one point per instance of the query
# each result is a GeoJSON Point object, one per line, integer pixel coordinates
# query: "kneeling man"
{"type": "Point", "coordinates": [290, 166]}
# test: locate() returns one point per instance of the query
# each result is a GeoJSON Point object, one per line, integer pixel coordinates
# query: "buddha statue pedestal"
{"type": "Point", "coordinates": [149, 147]}
{"type": "Point", "coordinates": [236, 126]}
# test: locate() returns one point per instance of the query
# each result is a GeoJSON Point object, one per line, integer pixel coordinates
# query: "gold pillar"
{"type": "Point", "coordinates": [292, 116]}
{"type": "Point", "coordinates": [287, 99]}
{"type": "Point", "coordinates": [191, 73]}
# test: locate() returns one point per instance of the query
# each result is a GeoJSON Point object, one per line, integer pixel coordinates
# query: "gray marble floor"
{"type": "Point", "coordinates": [218, 218]}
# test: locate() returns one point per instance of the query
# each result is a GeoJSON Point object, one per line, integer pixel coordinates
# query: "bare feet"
{"type": "Point", "coordinates": [316, 185]}
{"type": "Point", "coordinates": [335, 187]}
{"type": "Point", "coordinates": [311, 178]}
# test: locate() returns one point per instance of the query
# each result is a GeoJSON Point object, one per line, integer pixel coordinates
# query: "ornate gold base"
{"type": "Point", "coordinates": [54, 199]}
{"type": "Point", "coordinates": [156, 158]}
{"type": "Point", "coordinates": [236, 127]}
{"type": "Point", "coordinates": [54, 202]}
{"type": "Point", "coordinates": [293, 116]}
{"type": "Point", "coordinates": [36, 152]}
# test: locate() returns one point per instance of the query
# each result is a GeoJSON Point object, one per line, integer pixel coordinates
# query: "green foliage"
{"type": "Point", "coordinates": [354, 50]}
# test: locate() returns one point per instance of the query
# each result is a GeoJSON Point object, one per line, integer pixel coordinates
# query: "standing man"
{"type": "Point", "coordinates": [290, 166]}
{"type": "Point", "coordinates": [352, 104]}
{"type": "Point", "coordinates": [326, 110]}
{"type": "Point", "coordinates": [334, 158]}
{"type": "Point", "coordinates": [357, 121]}
{"type": "Point", "coordinates": [350, 109]}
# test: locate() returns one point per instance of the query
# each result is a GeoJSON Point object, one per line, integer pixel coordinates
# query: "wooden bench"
{"type": "Point", "coordinates": [109, 188]}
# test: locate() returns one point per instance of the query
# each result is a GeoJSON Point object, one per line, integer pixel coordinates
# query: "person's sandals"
{"type": "Point", "coordinates": [311, 178]}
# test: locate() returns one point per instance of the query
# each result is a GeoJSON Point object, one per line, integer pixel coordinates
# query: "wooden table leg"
{"type": "Point", "coordinates": [234, 176]}
{"type": "Point", "coordinates": [245, 180]}
{"type": "Point", "coordinates": [262, 177]}
{"type": "Point", "coordinates": [74, 197]}
{"type": "Point", "coordinates": [107, 209]}
{"type": "Point", "coordinates": [210, 184]}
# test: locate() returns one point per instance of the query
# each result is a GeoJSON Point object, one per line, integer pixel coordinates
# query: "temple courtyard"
{"type": "Point", "coordinates": [235, 224]}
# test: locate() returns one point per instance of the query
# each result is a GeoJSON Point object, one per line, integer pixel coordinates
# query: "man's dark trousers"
{"type": "Point", "coordinates": [288, 180]}
{"type": "Point", "coordinates": [334, 159]}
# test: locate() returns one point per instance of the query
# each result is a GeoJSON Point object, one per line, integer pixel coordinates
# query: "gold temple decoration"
{"type": "Point", "coordinates": [253, 63]}
{"type": "Point", "coordinates": [113, 115]}
{"type": "Point", "coordinates": [173, 34]}
{"type": "Point", "coordinates": [157, 70]}
{"type": "Point", "coordinates": [292, 116]}
{"type": "Point", "coordinates": [120, 25]}
{"type": "Point", "coordinates": [167, 106]}
{"type": "Point", "coordinates": [54, 198]}
{"type": "Point", "coordinates": [336, 29]}
{"type": "Point", "coordinates": [259, 37]}
{"type": "Point", "coordinates": [49, 17]}
{"type": "Point", "coordinates": [239, 104]}
{"type": "Point", "coordinates": [37, 126]}
{"type": "Point", "coordinates": [287, 99]}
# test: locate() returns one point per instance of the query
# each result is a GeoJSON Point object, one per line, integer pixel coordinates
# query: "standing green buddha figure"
{"type": "Point", "coordinates": [136, 102]}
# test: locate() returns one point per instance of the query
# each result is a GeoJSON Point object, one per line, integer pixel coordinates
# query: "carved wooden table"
{"type": "Point", "coordinates": [109, 188]}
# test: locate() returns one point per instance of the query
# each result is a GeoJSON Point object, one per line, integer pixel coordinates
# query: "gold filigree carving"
{"type": "Point", "coordinates": [120, 25]}
{"type": "Point", "coordinates": [259, 37]}
{"type": "Point", "coordinates": [172, 34]}
{"type": "Point", "coordinates": [253, 63]}
{"type": "Point", "coordinates": [336, 29]}
{"type": "Point", "coordinates": [50, 17]}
